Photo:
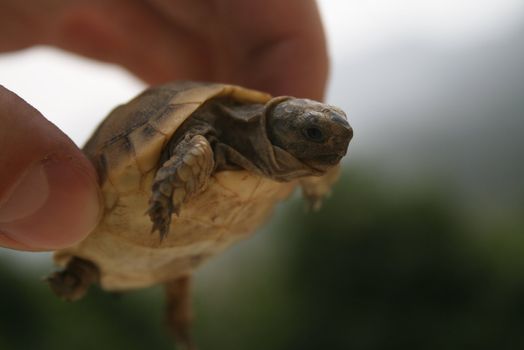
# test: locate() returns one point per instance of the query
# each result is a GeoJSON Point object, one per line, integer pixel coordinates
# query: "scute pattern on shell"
{"type": "Point", "coordinates": [131, 139]}
{"type": "Point", "coordinates": [235, 203]}
{"type": "Point", "coordinates": [126, 149]}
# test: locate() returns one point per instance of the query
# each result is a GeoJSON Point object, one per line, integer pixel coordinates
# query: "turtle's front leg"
{"type": "Point", "coordinates": [178, 298]}
{"type": "Point", "coordinates": [181, 176]}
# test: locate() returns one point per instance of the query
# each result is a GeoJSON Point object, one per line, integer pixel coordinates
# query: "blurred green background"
{"type": "Point", "coordinates": [377, 268]}
{"type": "Point", "coordinates": [420, 246]}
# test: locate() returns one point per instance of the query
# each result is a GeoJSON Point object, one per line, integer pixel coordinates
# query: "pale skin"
{"type": "Point", "coordinates": [49, 197]}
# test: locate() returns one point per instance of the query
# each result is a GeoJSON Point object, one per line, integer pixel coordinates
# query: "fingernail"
{"type": "Point", "coordinates": [26, 196]}
{"type": "Point", "coordinates": [54, 204]}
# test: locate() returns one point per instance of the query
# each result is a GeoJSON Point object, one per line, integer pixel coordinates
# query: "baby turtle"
{"type": "Point", "coordinates": [203, 165]}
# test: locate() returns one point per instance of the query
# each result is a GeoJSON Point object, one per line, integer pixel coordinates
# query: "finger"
{"type": "Point", "coordinates": [280, 45]}
{"type": "Point", "coordinates": [48, 191]}
{"type": "Point", "coordinates": [276, 46]}
{"type": "Point", "coordinates": [132, 34]}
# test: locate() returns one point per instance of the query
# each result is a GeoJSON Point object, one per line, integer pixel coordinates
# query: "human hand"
{"type": "Point", "coordinates": [276, 46]}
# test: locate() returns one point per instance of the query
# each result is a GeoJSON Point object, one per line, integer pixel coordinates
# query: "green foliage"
{"type": "Point", "coordinates": [377, 268]}
{"type": "Point", "coordinates": [32, 318]}
{"type": "Point", "coordinates": [404, 272]}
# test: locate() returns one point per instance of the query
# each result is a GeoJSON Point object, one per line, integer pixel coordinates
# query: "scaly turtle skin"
{"type": "Point", "coordinates": [204, 165]}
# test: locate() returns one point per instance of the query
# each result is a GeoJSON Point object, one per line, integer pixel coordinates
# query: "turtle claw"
{"type": "Point", "coordinates": [313, 204]}
{"type": "Point", "coordinates": [160, 214]}
{"type": "Point", "coordinates": [185, 173]}
{"type": "Point", "coordinates": [66, 285]}
{"type": "Point", "coordinates": [73, 282]}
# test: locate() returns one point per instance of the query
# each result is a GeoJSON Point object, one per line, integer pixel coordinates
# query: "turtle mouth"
{"type": "Point", "coordinates": [331, 159]}
{"type": "Point", "coordinates": [324, 162]}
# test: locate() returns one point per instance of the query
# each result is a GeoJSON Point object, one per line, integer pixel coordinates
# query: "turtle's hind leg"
{"type": "Point", "coordinates": [73, 282]}
{"type": "Point", "coordinates": [179, 311]}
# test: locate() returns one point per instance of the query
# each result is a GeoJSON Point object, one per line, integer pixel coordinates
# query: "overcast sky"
{"type": "Point", "coordinates": [355, 27]}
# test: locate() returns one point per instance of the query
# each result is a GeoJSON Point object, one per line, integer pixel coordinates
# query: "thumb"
{"type": "Point", "coordinates": [49, 197]}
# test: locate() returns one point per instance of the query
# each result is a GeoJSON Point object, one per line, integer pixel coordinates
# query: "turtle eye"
{"type": "Point", "coordinates": [314, 134]}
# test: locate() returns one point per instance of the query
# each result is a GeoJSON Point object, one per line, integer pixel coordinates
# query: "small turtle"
{"type": "Point", "coordinates": [203, 165]}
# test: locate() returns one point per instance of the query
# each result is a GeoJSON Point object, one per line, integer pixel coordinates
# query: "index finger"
{"type": "Point", "coordinates": [281, 45]}
{"type": "Point", "coordinates": [275, 46]}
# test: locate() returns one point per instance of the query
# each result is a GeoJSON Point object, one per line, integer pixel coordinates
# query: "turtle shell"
{"type": "Point", "coordinates": [125, 150]}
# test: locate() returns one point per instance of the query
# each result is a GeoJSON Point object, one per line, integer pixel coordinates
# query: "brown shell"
{"type": "Point", "coordinates": [125, 150]}
{"type": "Point", "coordinates": [129, 141]}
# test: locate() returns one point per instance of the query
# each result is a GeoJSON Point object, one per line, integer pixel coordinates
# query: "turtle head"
{"type": "Point", "coordinates": [313, 132]}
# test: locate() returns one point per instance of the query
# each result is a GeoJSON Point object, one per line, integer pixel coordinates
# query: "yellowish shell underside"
{"type": "Point", "coordinates": [234, 204]}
